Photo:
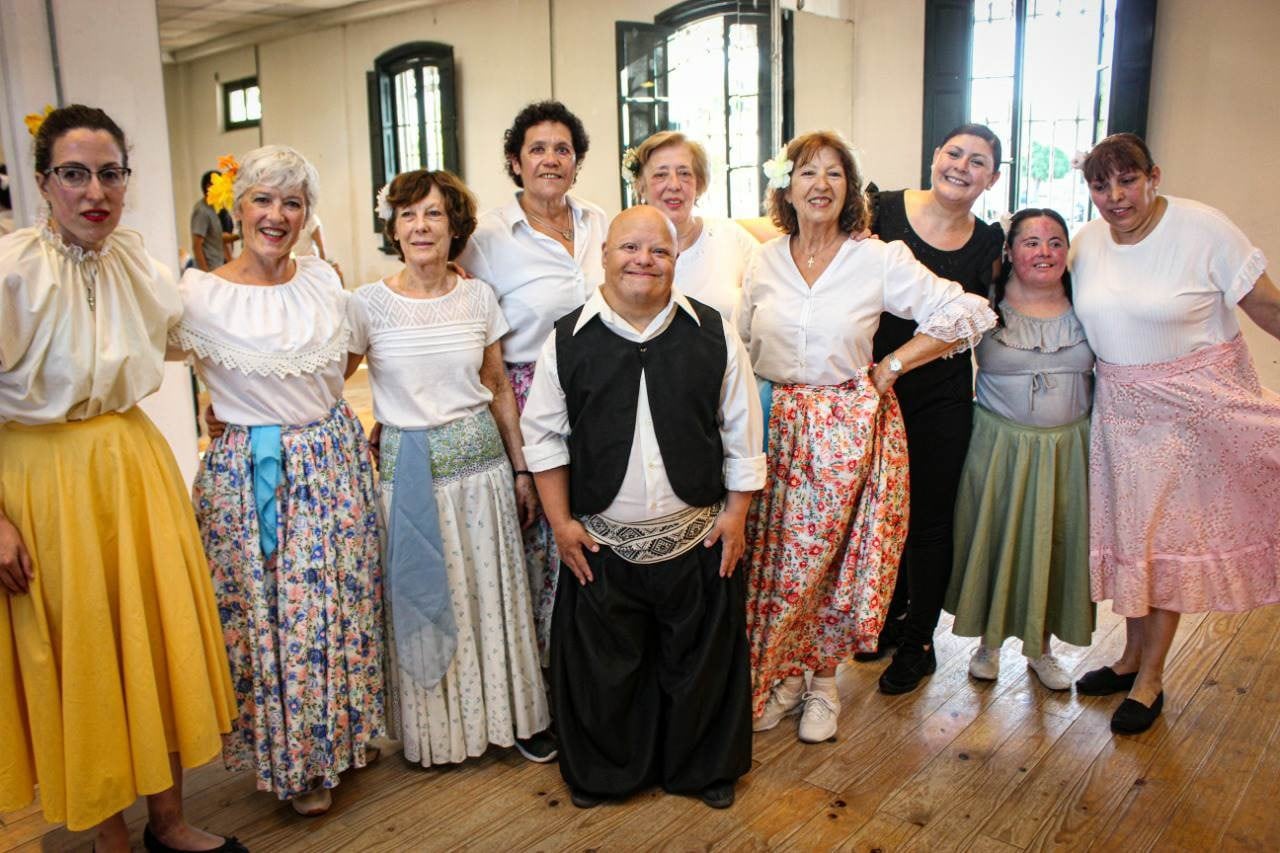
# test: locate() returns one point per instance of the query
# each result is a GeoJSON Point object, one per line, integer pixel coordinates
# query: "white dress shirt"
{"type": "Point", "coordinates": [646, 492]}
{"type": "Point", "coordinates": [536, 281]}
{"type": "Point", "coordinates": [821, 335]}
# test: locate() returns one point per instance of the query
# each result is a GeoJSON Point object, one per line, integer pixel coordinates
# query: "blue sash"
{"type": "Point", "coordinates": [765, 389]}
{"type": "Point", "coordinates": [264, 447]}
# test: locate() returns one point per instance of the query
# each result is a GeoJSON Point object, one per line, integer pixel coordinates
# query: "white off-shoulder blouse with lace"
{"type": "Point", "coordinates": [269, 355]}
{"type": "Point", "coordinates": [81, 333]}
{"type": "Point", "coordinates": [821, 335]}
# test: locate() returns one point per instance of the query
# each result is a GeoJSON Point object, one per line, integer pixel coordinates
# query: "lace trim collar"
{"type": "Point", "coordinates": [1042, 334]}
{"type": "Point", "coordinates": [250, 362]}
{"type": "Point", "coordinates": [76, 253]}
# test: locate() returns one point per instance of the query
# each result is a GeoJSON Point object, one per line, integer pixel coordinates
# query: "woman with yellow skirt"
{"type": "Point", "coordinates": [113, 674]}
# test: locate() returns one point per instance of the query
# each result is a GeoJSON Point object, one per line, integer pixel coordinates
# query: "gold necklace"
{"type": "Point", "coordinates": [567, 234]}
{"type": "Point", "coordinates": [814, 254]}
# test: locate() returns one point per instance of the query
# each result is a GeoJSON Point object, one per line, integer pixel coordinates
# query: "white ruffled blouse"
{"type": "Point", "coordinates": [269, 355]}
{"type": "Point", "coordinates": [821, 335]}
{"type": "Point", "coordinates": [81, 333]}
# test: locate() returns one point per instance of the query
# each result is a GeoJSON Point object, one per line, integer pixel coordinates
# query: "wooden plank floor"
{"type": "Point", "coordinates": [957, 765]}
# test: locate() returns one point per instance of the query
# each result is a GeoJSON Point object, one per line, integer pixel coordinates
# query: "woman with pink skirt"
{"type": "Point", "coordinates": [1184, 468]}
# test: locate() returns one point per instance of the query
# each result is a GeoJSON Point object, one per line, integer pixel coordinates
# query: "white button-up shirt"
{"type": "Point", "coordinates": [646, 491]}
{"type": "Point", "coordinates": [536, 280]}
{"type": "Point", "coordinates": [821, 335]}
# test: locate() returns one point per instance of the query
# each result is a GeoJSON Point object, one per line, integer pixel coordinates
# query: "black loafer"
{"type": "Point", "coordinates": [1104, 682]}
{"type": "Point", "coordinates": [719, 795]}
{"type": "Point", "coordinates": [583, 800]}
{"type": "Point", "coordinates": [230, 844]}
{"type": "Point", "coordinates": [1133, 718]}
{"type": "Point", "coordinates": [910, 665]}
{"type": "Point", "coordinates": [890, 639]}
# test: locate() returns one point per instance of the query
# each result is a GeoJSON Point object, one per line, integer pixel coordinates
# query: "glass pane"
{"type": "Point", "coordinates": [235, 100]}
{"type": "Point", "coordinates": [433, 117]}
{"type": "Point", "coordinates": [253, 103]}
{"type": "Point", "coordinates": [744, 188]}
{"type": "Point", "coordinates": [407, 127]}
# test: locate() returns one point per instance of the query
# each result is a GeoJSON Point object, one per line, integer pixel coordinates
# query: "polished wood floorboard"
{"type": "Point", "coordinates": [956, 765]}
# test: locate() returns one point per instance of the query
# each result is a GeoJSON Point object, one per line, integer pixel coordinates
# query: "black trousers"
{"type": "Point", "coordinates": [650, 675]}
{"type": "Point", "coordinates": [937, 442]}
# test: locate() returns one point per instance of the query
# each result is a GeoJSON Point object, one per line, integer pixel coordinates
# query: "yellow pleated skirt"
{"type": "Point", "coordinates": [114, 658]}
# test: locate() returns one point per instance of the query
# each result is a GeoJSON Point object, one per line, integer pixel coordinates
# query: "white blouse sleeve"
{"type": "Point", "coordinates": [941, 307]}
{"type": "Point", "coordinates": [495, 323]}
{"type": "Point", "coordinates": [358, 323]}
{"type": "Point", "coordinates": [741, 420]}
{"type": "Point", "coordinates": [1235, 264]}
{"type": "Point", "coordinates": [743, 311]}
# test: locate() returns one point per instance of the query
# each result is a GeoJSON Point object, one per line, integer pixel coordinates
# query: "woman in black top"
{"type": "Point", "coordinates": [937, 399]}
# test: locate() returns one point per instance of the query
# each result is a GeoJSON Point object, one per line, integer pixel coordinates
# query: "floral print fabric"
{"type": "Point", "coordinates": [304, 628]}
{"type": "Point", "coordinates": [825, 535]}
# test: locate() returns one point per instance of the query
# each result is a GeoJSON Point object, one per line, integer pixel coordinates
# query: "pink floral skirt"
{"type": "Point", "coordinates": [1184, 485]}
{"type": "Point", "coordinates": [825, 535]}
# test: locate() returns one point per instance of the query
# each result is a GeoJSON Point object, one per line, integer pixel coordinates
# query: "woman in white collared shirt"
{"type": "Point", "coordinates": [825, 536]}
{"type": "Point", "coordinates": [541, 255]}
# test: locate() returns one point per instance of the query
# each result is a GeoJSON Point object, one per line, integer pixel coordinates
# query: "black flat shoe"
{"type": "Point", "coordinates": [1134, 718]}
{"type": "Point", "coordinates": [1104, 682]}
{"type": "Point", "coordinates": [890, 639]}
{"type": "Point", "coordinates": [910, 665]}
{"type": "Point", "coordinates": [539, 748]}
{"type": "Point", "coordinates": [230, 844]}
{"type": "Point", "coordinates": [583, 800]}
{"type": "Point", "coordinates": [719, 795]}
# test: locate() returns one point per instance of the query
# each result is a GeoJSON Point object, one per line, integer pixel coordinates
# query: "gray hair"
{"type": "Point", "coordinates": [278, 167]}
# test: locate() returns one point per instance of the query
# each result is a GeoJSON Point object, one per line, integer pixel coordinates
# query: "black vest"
{"type": "Point", "coordinates": [600, 374]}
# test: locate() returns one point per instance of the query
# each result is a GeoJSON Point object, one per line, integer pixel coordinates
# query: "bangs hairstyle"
{"type": "Point", "coordinates": [1006, 267]}
{"type": "Point", "coordinates": [854, 216]}
{"type": "Point", "coordinates": [280, 168]}
{"type": "Point", "coordinates": [666, 138]}
{"type": "Point", "coordinates": [537, 113]}
{"type": "Point", "coordinates": [459, 205]}
{"type": "Point", "coordinates": [66, 119]}
{"type": "Point", "coordinates": [1115, 155]}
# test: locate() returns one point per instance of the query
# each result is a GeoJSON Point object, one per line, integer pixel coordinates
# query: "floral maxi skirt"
{"type": "Point", "coordinates": [304, 628]}
{"type": "Point", "coordinates": [825, 535]}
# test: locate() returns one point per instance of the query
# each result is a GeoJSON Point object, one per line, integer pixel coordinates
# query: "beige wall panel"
{"type": "Point", "coordinates": [825, 76]}
{"type": "Point", "coordinates": [888, 89]}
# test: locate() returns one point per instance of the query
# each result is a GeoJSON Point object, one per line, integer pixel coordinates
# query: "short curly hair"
{"type": "Point", "coordinates": [856, 213]}
{"type": "Point", "coordinates": [537, 113]}
{"type": "Point", "coordinates": [459, 204]}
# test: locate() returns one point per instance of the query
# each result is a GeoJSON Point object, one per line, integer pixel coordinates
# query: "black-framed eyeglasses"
{"type": "Point", "coordinates": [75, 177]}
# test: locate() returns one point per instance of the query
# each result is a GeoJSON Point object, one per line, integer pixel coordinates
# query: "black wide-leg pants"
{"type": "Point", "coordinates": [650, 675]}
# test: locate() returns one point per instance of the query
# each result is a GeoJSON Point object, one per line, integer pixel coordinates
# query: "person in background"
{"type": "Point", "coordinates": [938, 227]}
{"type": "Point", "coordinates": [113, 675]}
{"type": "Point", "coordinates": [643, 431]}
{"type": "Point", "coordinates": [1022, 518]}
{"type": "Point", "coordinates": [210, 242]}
{"type": "Point", "coordinates": [1184, 459]}
{"type": "Point", "coordinates": [312, 240]}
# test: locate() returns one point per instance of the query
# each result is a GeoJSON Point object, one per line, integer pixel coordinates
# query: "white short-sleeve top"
{"type": "Point", "coordinates": [81, 333]}
{"type": "Point", "coordinates": [1169, 295]}
{"type": "Point", "coordinates": [425, 354]}
{"type": "Point", "coordinates": [269, 355]}
{"type": "Point", "coordinates": [711, 269]}
{"type": "Point", "coordinates": [821, 335]}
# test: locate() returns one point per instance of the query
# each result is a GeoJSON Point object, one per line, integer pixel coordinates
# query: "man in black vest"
{"type": "Point", "coordinates": [643, 431]}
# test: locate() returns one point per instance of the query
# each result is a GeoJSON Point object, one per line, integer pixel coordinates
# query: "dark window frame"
{"type": "Point", "coordinates": [241, 85]}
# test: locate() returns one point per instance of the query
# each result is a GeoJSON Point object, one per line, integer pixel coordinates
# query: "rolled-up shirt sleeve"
{"type": "Point", "coordinates": [741, 421]}
{"type": "Point", "coordinates": [545, 421]}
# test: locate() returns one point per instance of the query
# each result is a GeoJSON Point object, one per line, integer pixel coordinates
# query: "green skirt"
{"type": "Point", "coordinates": [1022, 535]}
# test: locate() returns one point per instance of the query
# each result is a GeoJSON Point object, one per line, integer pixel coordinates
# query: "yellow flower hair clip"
{"type": "Point", "coordinates": [222, 193]}
{"type": "Point", "coordinates": [34, 120]}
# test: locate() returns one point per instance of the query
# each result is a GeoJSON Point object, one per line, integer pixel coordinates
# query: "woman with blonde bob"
{"type": "Point", "coordinates": [454, 488]}
{"type": "Point", "coordinates": [825, 535]}
{"type": "Point", "coordinates": [669, 171]}
{"type": "Point", "coordinates": [285, 496]}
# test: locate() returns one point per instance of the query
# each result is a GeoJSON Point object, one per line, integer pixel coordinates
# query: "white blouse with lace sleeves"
{"type": "Point", "coordinates": [821, 335]}
{"type": "Point", "coordinates": [425, 354]}
{"type": "Point", "coordinates": [269, 355]}
{"type": "Point", "coordinates": [81, 333]}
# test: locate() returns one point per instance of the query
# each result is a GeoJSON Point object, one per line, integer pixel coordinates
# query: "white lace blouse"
{"type": "Point", "coordinates": [425, 354]}
{"type": "Point", "coordinates": [821, 335]}
{"type": "Point", "coordinates": [711, 269]}
{"type": "Point", "coordinates": [269, 355]}
{"type": "Point", "coordinates": [81, 333]}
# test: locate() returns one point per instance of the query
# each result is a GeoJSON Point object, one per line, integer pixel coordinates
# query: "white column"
{"type": "Point", "coordinates": [108, 56]}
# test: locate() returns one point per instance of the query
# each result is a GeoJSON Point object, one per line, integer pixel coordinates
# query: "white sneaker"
{"type": "Point", "coordinates": [1050, 672]}
{"type": "Point", "coordinates": [782, 703]}
{"type": "Point", "coordinates": [985, 663]}
{"type": "Point", "coordinates": [818, 722]}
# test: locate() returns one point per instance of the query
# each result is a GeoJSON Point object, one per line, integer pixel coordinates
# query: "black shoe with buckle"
{"type": "Point", "coordinates": [908, 668]}
{"type": "Point", "coordinates": [539, 748]}
{"type": "Point", "coordinates": [718, 795]}
{"type": "Point", "coordinates": [890, 638]}
{"type": "Point", "coordinates": [1134, 718]}
{"type": "Point", "coordinates": [1105, 681]}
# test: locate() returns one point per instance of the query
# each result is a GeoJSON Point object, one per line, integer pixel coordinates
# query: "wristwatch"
{"type": "Point", "coordinates": [895, 366]}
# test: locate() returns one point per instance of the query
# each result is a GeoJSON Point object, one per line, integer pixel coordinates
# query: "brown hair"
{"type": "Point", "coordinates": [664, 139]}
{"type": "Point", "coordinates": [1118, 153]}
{"type": "Point", "coordinates": [66, 119]}
{"type": "Point", "coordinates": [459, 204]}
{"type": "Point", "coordinates": [855, 214]}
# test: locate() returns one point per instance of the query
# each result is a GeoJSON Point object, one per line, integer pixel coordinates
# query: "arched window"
{"type": "Point", "coordinates": [704, 67]}
{"type": "Point", "coordinates": [413, 120]}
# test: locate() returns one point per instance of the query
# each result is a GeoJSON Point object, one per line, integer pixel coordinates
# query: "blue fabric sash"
{"type": "Point", "coordinates": [264, 446]}
{"type": "Point", "coordinates": [765, 388]}
{"type": "Point", "coordinates": [418, 583]}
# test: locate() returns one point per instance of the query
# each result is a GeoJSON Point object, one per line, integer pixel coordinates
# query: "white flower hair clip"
{"type": "Point", "coordinates": [778, 170]}
{"type": "Point", "coordinates": [1077, 160]}
{"type": "Point", "coordinates": [630, 164]}
{"type": "Point", "coordinates": [382, 206]}
{"type": "Point", "coordinates": [1006, 220]}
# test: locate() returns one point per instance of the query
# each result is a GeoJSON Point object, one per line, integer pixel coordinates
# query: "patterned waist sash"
{"type": "Point", "coordinates": [654, 541]}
